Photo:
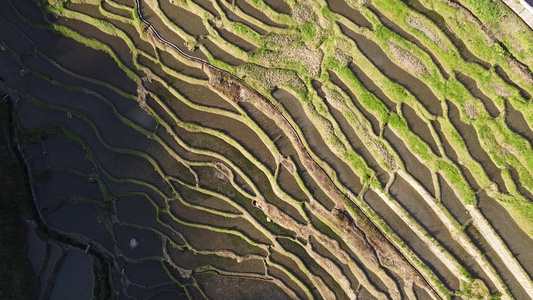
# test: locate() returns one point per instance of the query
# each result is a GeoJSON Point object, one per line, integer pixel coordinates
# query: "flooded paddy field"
{"type": "Point", "coordinates": [251, 149]}
{"type": "Point", "coordinates": [513, 236]}
{"type": "Point", "coordinates": [412, 164]}
{"type": "Point", "coordinates": [471, 139]}
{"type": "Point", "coordinates": [341, 7]}
{"type": "Point", "coordinates": [376, 127]}
{"type": "Point", "coordinates": [471, 85]}
{"type": "Point", "coordinates": [412, 240]}
{"type": "Point", "coordinates": [510, 280]}
{"type": "Point", "coordinates": [376, 55]}
{"type": "Point", "coordinates": [419, 127]}
{"type": "Point", "coordinates": [316, 142]}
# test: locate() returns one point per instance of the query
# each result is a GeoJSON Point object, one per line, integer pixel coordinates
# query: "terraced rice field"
{"type": "Point", "coordinates": [274, 149]}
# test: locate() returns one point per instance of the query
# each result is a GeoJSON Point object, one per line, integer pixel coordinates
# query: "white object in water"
{"type": "Point", "coordinates": [134, 243]}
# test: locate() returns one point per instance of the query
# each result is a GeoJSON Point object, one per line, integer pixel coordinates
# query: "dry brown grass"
{"type": "Point", "coordinates": [270, 78]}
{"type": "Point", "coordinates": [471, 111]}
{"type": "Point", "coordinates": [470, 17]}
{"type": "Point", "coordinates": [302, 13]}
{"type": "Point", "coordinates": [521, 70]}
{"type": "Point", "coordinates": [500, 91]}
{"type": "Point", "coordinates": [407, 59]}
{"type": "Point", "coordinates": [340, 53]}
{"type": "Point", "coordinates": [426, 29]}
{"type": "Point", "coordinates": [290, 48]}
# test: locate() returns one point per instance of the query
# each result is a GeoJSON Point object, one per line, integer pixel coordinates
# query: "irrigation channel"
{"type": "Point", "coordinates": [281, 149]}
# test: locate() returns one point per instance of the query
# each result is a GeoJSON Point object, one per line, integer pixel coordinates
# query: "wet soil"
{"type": "Point", "coordinates": [186, 20]}
{"type": "Point", "coordinates": [424, 215]}
{"type": "Point", "coordinates": [322, 250]}
{"type": "Point", "coordinates": [413, 166]}
{"type": "Point", "coordinates": [86, 8]}
{"type": "Point", "coordinates": [521, 189]}
{"type": "Point", "coordinates": [208, 6]}
{"type": "Point", "coordinates": [411, 239]}
{"type": "Point", "coordinates": [519, 243]}
{"type": "Point", "coordinates": [134, 35]}
{"type": "Point", "coordinates": [289, 184]}
{"type": "Point", "coordinates": [227, 287]}
{"type": "Point", "coordinates": [317, 192]}
{"type": "Point", "coordinates": [279, 6]}
{"type": "Point", "coordinates": [317, 144]}
{"type": "Point", "coordinates": [421, 294]}
{"type": "Point", "coordinates": [208, 178]}
{"type": "Point", "coordinates": [376, 126]}
{"type": "Point", "coordinates": [313, 266]}
{"type": "Point", "coordinates": [233, 17]}
{"type": "Point", "coordinates": [197, 198]}
{"type": "Point", "coordinates": [172, 142]}
{"type": "Point", "coordinates": [342, 8]}
{"type": "Point", "coordinates": [381, 60]}
{"type": "Point", "coordinates": [419, 127]}
{"type": "Point", "coordinates": [196, 216]}
{"type": "Point", "coordinates": [450, 152]}
{"type": "Point", "coordinates": [296, 271]}
{"type": "Point", "coordinates": [170, 60]}
{"type": "Point", "coordinates": [207, 239]}
{"type": "Point", "coordinates": [439, 21]}
{"type": "Point", "coordinates": [276, 272]}
{"type": "Point", "coordinates": [236, 40]}
{"type": "Point", "coordinates": [130, 3]}
{"type": "Point", "coordinates": [233, 128]}
{"type": "Point", "coordinates": [452, 203]}
{"type": "Point", "coordinates": [359, 146]}
{"type": "Point", "coordinates": [67, 52]}
{"type": "Point", "coordinates": [325, 229]}
{"type": "Point", "coordinates": [471, 85]}
{"type": "Point", "coordinates": [508, 278]}
{"type": "Point", "coordinates": [239, 180]}
{"type": "Point", "coordinates": [469, 134]}
{"type": "Point", "coordinates": [407, 36]}
{"type": "Point", "coordinates": [117, 11]}
{"type": "Point", "coordinates": [167, 33]}
{"type": "Point", "coordinates": [285, 148]}
{"type": "Point", "coordinates": [501, 72]}
{"type": "Point", "coordinates": [220, 54]}
{"type": "Point", "coordinates": [363, 293]}
{"type": "Point", "coordinates": [517, 122]}
{"type": "Point", "coordinates": [191, 260]}
{"type": "Point", "coordinates": [256, 13]}
{"type": "Point", "coordinates": [371, 86]}
{"type": "Point", "coordinates": [195, 93]}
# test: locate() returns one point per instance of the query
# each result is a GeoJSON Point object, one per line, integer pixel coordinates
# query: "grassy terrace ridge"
{"type": "Point", "coordinates": [301, 147]}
